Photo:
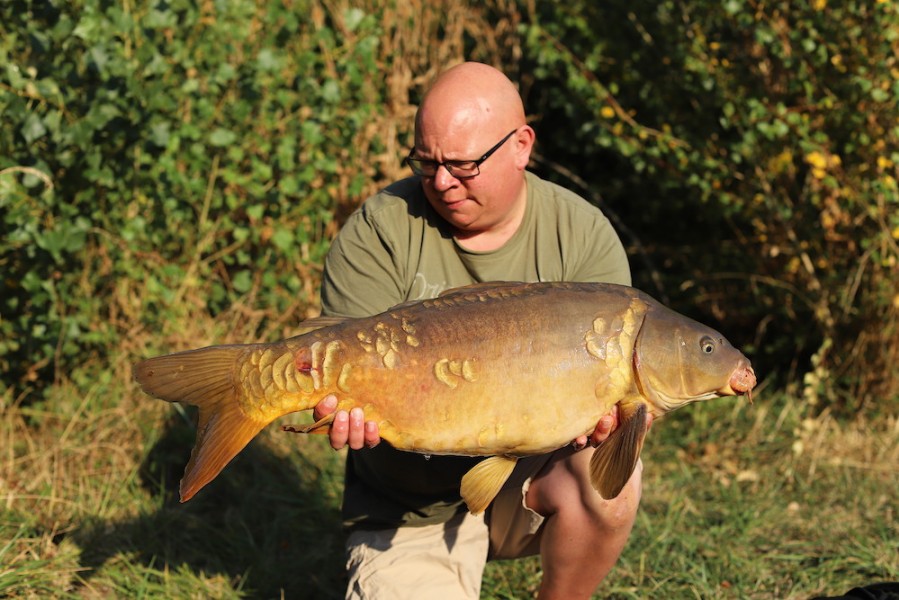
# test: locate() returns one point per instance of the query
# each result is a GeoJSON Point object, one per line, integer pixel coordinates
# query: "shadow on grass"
{"type": "Point", "coordinates": [270, 531]}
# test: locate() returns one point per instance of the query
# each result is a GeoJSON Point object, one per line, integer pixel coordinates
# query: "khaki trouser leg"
{"type": "Point", "coordinates": [444, 561]}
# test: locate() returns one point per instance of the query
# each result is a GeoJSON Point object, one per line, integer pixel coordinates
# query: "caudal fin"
{"type": "Point", "coordinates": [206, 379]}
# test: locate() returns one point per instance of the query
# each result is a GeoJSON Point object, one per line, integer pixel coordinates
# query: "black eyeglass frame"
{"type": "Point", "coordinates": [416, 163]}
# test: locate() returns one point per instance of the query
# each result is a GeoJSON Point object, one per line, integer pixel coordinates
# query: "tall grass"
{"type": "Point", "coordinates": [761, 501]}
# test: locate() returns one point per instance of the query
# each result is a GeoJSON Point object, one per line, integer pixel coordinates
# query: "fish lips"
{"type": "Point", "coordinates": [742, 381]}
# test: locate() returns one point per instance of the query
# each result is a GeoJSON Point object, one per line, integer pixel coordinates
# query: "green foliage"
{"type": "Point", "coordinates": [754, 150]}
{"type": "Point", "coordinates": [166, 163]}
{"type": "Point", "coordinates": [162, 160]}
{"type": "Point", "coordinates": [171, 173]}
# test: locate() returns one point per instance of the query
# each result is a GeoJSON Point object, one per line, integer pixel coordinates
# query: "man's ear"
{"type": "Point", "coordinates": [524, 143]}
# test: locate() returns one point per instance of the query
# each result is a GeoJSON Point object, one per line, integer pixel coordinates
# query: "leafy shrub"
{"type": "Point", "coordinates": [194, 154]}
{"type": "Point", "coordinates": [753, 148]}
{"type": "Point", "coordinates": [171, 172]}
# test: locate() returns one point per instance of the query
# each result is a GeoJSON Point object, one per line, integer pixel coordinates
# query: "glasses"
{"type": "Point", "coordinates": [460, 169]}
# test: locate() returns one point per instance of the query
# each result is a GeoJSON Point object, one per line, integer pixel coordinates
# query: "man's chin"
{"type": "Point", "coordinates": [458, 214]}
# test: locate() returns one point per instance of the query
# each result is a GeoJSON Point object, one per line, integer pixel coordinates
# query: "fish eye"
{"type": "Point", "coordinates": [707, 345]}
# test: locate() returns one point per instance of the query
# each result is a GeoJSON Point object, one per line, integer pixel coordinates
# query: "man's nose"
{"type": "Point", "coordinates": [443, 179]}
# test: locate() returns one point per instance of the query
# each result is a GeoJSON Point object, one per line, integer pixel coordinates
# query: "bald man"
{"type": "Point", "coordinates": [470, 213]}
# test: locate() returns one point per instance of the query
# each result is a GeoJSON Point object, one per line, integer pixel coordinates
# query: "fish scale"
{"type": "Point", "coordinates": [501, 370]}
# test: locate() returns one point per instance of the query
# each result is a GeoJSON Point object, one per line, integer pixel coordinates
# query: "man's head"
{"type": "Point", "coordinates": [468, 110]}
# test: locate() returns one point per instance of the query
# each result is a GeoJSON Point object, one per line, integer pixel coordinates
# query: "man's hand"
{"type": "Point", "coordinates": [604, 428]}
{"type": "Point", "coordinates": [349, 428]}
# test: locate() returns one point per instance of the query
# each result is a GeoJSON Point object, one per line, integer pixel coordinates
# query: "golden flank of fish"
{"type": "Point", "coordinates": [502, 370]}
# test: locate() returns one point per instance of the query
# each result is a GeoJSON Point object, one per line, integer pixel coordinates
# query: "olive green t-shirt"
{"type": "Point", "coordinates": [396, 248]}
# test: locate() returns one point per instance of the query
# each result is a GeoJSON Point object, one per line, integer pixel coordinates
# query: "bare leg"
{"type": "Point", "coordinates": [583, 535]}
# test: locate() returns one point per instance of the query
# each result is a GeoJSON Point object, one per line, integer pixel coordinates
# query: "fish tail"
{"type": "Point", "coordinates": [206, 379]}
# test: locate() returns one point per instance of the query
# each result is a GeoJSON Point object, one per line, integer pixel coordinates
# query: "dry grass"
{"type": "Point", "coordinates": [749, 502]}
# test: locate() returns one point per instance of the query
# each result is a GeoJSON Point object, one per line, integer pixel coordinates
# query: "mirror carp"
{"type": "Point", "coordinates": [502, 370]}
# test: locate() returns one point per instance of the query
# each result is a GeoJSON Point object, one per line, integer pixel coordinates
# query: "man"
{"type": "Point", "coordinates": [471, 213]}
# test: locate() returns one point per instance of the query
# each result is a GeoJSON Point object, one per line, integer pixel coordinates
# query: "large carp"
{"type": "Point", "coordinates": [502, 370]}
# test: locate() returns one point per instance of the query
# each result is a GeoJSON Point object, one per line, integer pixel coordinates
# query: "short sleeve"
{"type": "Point", "coordinates": [363, 269]}
{"type": "Point", "coordinates": [601, 256]}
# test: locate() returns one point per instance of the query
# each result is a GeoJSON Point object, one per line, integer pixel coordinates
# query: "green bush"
{"type": "Point", "coordinates": [162, 160]}
{"type": "Point", "coordinates": [171, 172]}
{"type": "Point", "coordinates": [752, 150]}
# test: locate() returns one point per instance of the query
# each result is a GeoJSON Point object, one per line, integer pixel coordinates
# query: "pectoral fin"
{"type": "Point", "coordinates": [483, 482]}
{"type": "Point", "coordinates": [614, 461]}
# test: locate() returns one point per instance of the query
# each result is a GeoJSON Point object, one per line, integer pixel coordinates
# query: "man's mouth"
{"type": "Point", "coordinates": [454, 203]}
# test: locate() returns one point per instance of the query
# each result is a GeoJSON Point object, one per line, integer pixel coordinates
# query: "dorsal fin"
{"type": "Point", "coordinates": [318, 323]}
{"type": "Point", "coordinates": [480, 287]}
{"type": "Point", "coordinates": [466, 290]}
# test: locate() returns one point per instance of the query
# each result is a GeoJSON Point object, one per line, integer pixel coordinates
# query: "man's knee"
{"type": "Point", "coordinates": [621, 511]}
{"type": "Point", "coordinates": [565, 487]}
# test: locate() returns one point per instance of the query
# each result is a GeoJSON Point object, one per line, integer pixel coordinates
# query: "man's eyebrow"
{"type": "Point", "coordinates": [449, 160]}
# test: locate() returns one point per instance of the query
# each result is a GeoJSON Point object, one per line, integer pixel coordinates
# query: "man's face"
{"type": "Point", "coordinates": [483, 202]}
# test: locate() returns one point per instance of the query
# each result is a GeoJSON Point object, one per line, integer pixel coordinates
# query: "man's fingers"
{"type": "Point", "coordinates": [340, 430]}
{"type": "Point", "coordinates": [348, 428]}
{"type": "Point", "coordinates": [580, 442]}
{"type": "Point", "coordinates": [325, 407]}
{"type": "Point", "coordinates": [603, 430]}
{"type": "Point", "coordinates": [372, 435]}
{"type": "Point", "coordinates": [356, 437]}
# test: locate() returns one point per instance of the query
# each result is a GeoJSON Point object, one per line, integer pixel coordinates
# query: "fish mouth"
{"type": "Point", "coordinates": [741, 382]}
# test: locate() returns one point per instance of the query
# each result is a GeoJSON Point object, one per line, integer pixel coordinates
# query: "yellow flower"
{"type": "Point", "coordinates": [782, 161]}
{"type": "Point", "coordinates": [883, 162]}
{"type": "Point", "coordinates": [607, 112]}
{"type": "Point", "coordinates": [816, 159]}
{"type": "Point", "coordinates": [895, 233]}
{"type": "Point", "coordinates": [819, 4]}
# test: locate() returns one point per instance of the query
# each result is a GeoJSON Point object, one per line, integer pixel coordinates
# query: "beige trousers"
{"type": "Point", "coordinates": [446, 560]}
